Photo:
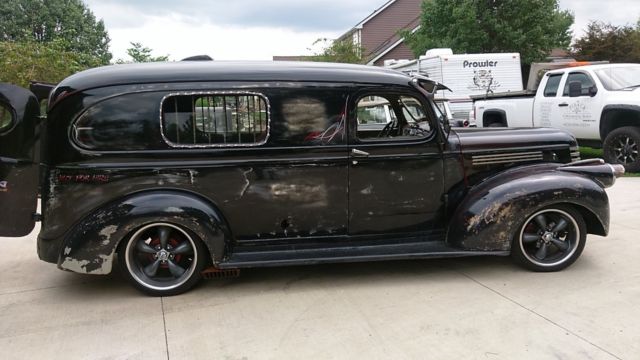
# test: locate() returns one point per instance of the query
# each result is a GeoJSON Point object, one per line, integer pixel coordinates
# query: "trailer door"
{"type": "Point", "coordinates": [19, 111]}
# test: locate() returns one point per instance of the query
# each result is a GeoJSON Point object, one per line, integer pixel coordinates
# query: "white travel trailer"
{"type": "Point", "coordinates": [465, 74]}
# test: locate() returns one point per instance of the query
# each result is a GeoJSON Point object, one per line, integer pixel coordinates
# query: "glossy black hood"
{"type": "Point", "coordinates": [497, 139]}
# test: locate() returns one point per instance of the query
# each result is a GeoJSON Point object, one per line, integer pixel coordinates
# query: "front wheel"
{"type": "Point", "coordinates": [621, 147]}
{"type": "Point", "coordinates": [551, 239]}
{"type": "Point", "coordinates": [162, 259]}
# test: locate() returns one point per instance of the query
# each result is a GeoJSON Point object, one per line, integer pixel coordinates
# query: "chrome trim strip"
{"type": "Point", "coordinates": [214, 93]}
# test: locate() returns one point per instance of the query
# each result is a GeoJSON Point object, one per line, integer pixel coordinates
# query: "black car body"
{"type": "Point", "coordinates": [180, 166]}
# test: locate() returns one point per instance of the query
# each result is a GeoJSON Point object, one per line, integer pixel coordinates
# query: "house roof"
{"type": "Point", "coordinates": [374, 14]}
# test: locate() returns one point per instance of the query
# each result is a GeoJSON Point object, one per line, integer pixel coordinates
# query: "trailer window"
{"type": "Point", "coordinates": [551, 90]}
{"type": "Point", "coordinates": [197, 120]}
{"type": "Point", "coordinates": [6, 117]}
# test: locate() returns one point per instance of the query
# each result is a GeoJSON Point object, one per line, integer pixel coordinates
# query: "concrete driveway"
{"type": "Point", "coordinates": [478, 308]}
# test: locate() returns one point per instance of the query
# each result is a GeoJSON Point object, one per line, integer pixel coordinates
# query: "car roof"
{"type": "Point", "coordinates": [592, 67]}
{"type": "Point", "coordinates": [207, 71]}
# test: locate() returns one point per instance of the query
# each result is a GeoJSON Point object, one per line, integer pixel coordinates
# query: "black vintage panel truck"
{"type": "Point", "coordinates": [169, 169]}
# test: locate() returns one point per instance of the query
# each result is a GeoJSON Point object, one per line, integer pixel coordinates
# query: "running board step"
{"type": "Point", "coordinates": [421, 250]}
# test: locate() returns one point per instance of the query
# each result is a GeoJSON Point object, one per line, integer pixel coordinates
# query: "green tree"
{"type": "Point", "coordinates": [530, 27]}
{"type": "Point", "coordinates": [140, 54]}
{"type": "Point", "coordinates": [608, 42]}
{"type": "Point", "coordinates": [341, 51]}
{"type": "Point", "coordinates": [69, 22]}
{"type": "Point", "coordinates": [21, 62]}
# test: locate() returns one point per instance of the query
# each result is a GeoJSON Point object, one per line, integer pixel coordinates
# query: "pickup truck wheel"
{"type": "Point", "coordinates": [162, 259]}
{"type": "Point", "coordinates": [621, 147]}
{"type": "Point", "coordinates": [551, 239]}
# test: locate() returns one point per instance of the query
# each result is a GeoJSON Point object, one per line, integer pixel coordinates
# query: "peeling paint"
{"type": "Point", "coordinates": [246, 180]}
{"type": "Point", "coordinates": [495, 212]}
{"type": "Point", "coordinates": [108, 231]}
{"type": "Point", "coordinates": [102, 265]}
{"type": "Point", "coordinates": [367, 191]}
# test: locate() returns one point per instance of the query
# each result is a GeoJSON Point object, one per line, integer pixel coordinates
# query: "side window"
{"type": "Point", "coordinates": [551, 90]}
{"type": "Point", "coordinates": [123, 123]}
{"type": "Point", "coordinates": [584, 79]}
{"type": "Point", "coordinates": [307, 117]}
{"type": "Point", "coordinates": [215, 119]}
{"type": "Point", "coordinates": [6, 117]}
{"type": "Point", "coordinates": [398, 117]}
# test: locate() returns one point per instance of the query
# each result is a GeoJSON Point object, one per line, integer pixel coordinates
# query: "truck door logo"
{"type": "Point", "coordinates": [3, 186]}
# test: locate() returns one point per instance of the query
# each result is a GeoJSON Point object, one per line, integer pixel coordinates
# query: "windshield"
{"type": "Point", "coordinates": [619, 77]}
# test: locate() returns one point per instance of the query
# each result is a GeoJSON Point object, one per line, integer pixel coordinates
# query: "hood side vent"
{"type": "Point", "coordinates": [506, 158]}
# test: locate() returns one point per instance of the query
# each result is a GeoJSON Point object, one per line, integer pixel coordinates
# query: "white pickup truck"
{"type": "Point", "coordinates": [598, 104]}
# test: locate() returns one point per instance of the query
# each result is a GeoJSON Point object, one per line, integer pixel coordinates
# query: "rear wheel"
{"type": "Point", "coordinates": [551, 239]}
{"type": "Point", "coordinates": [162, 259]}
{"type": "Point", "coordinates": [621, 146]}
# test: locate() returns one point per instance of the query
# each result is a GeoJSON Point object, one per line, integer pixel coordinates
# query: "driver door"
{"type": "Point", "coordinates": [19, 111]}
{"type": "Point", "coordinates": [396, 176]}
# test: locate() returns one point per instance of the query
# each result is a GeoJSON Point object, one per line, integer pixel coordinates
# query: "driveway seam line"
{"type": "Point", "coordinates": [164, 324]}
{"type": "Point", "coordinates": [539, 315]}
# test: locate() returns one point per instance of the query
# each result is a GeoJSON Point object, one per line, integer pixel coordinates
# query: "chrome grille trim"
{"type": "Point", "coordinates": [505, 158]}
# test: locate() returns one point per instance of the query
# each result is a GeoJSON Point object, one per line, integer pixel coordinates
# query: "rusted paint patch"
{"type": "Point", "coordinates": [493, 213]}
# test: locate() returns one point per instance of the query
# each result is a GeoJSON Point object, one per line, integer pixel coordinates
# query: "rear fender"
{"type": "Point", "coordinates": [92, 243]}
{"type": "Point", "coordinates": [492, 212]}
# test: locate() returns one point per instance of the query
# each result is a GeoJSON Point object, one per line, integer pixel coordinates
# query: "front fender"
{"type": "Point", "coordinates": [492, 212]}
{"type": "Point", "coordinates": [91, 244]}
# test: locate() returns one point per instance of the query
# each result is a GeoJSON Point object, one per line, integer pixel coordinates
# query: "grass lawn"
{"type": "Point", "coordinates": [591, 153]}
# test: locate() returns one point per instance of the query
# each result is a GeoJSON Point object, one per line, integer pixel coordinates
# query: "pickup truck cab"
{"type": "Point", "coordinates": [177, 170]}
{"type": "Point", "coordinates": [598, 104]}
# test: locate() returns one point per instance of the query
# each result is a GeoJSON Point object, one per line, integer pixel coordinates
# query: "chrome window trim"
{"type": "Point", "coordinates": [215, 93]}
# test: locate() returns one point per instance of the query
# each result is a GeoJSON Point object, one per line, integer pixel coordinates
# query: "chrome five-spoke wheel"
{"type": "Point", "coordinates": [162, 259]}
{"type": "Point", "coordinates": [550, 239]}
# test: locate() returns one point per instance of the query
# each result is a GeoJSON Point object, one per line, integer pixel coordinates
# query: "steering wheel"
{"type": "Point", "coordinates": [414, 130]}
{"type": "Point", "coordinates": [386, 130]}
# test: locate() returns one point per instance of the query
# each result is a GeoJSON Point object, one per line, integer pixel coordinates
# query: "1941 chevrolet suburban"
{"type": "Point", "coordinates": [173, 168]}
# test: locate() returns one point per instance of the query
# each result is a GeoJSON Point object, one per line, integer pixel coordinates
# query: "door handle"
{"type": "Point", "coordinates": [563, 105]}
{"type": "Point", "coordinates": [359, 153]}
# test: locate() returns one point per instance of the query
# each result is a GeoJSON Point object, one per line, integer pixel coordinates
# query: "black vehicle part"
{"type": "Point", "coordinates": [622, 146]}
{"type": "Point", "coordinates": [616, 116]}
{"type": "Point", "coordinates": [19, 113]}
{"type": "Point", "coordinates": [162, 259]}
{"type": "Point", "coordinates": [91, 244]}
{"type": "Point", "coordinates": [494, 118]}
{"type": "Point", "coordinates": [489, 216]}
{"type": "Point", "coordinates": [550, 239]}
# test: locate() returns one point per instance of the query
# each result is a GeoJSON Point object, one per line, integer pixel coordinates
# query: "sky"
{"type": "Point", "coordinates": [258, 30]}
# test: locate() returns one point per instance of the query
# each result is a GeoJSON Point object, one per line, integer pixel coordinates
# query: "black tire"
{"type": "Point", "coordinates": [162, 259]}
{"type": "Point", "coordinates": [622, 146]}
{"type": "Point", "coordinates": [496, 124]}
{"type": "Point", "coordinates": [550, 239]}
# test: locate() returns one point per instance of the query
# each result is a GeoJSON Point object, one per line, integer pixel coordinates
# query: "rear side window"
{"type": "Point", "coordinates": [216, 119]}
{"type": "Point", "coordinates": [123, 123]}
{"type": "Point", "coordinates": [6, 117]}
{"type": "Point", "coordinates": [551, 90]}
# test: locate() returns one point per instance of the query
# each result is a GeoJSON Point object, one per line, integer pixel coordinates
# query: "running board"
{"type": "Point", "coordinates": [421, 250]}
